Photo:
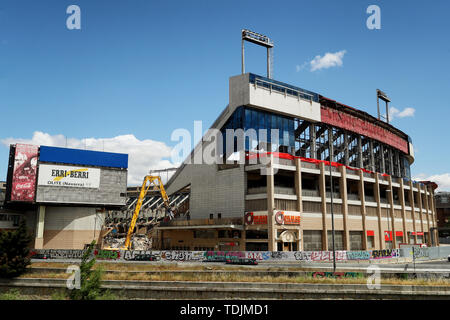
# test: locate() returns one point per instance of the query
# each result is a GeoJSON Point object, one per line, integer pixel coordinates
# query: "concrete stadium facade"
{"type": "Point", "coordinates": [273, 192]}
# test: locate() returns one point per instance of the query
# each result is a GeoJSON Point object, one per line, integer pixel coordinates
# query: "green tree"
{"type": "Point", "coordinates": [14, 251]}
{"type": "Point", "coordinates": [90, 280]}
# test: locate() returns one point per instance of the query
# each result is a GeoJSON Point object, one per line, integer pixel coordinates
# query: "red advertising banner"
{"type": "Point", "coordinates": [24, 174]}
{"type": "Point", "coordinates": [357, 125]}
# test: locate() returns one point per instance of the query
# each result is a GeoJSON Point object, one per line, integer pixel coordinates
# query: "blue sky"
{"type": "Point", "coordinates": [141, 69]}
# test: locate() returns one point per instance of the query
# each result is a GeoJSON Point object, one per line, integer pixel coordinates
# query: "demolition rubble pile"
{"type": "Point", "coordinates": [138, 242]}
{"type": "Point", "coordinates": [115, 233]}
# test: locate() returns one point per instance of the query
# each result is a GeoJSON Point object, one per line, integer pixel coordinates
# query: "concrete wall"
{"type": "Point", "coordinates": [71, 227]}
{"type": "Point", "coordinates": [113, 183]}
{"type": "Point", "coordinates": [212, 191]}
{"type": "Point", "coordinates": [244, 93]}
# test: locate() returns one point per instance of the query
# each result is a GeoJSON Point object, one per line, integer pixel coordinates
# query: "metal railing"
{"type": "Point", "coordinates": [287, 91]}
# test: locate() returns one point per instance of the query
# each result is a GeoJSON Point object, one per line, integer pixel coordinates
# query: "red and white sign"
{"type": "Point", "coordinates": [24, 173]}
{"type": "Point", "coordinates": [255, 218]}
{"type": "Point", "coordinates": [388, 235]}
{"type": "Point", "coordinates": [283, 217]}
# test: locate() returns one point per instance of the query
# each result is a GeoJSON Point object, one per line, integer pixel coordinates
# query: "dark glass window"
{"type": "Point", "coordinates": [247, 118]}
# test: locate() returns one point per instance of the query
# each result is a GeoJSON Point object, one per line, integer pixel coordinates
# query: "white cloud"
{"type": "Point", "coordinates": [395, 113]}
{"type": "Point", "coordinates": [143, 155]}
{"type": "Point", "coordinates": [328, 60]}
{"type": "Point", "coordinates": [442, 180]}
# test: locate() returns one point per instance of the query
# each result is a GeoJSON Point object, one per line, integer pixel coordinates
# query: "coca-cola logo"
{"type": "Point", "coordinates": [22, 186]}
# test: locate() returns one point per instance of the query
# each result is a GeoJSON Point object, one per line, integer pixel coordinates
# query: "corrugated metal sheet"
{"type": "Point", "coordinates": [83, 157]}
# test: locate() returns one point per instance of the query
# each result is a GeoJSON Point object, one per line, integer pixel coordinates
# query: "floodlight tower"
{"type": "Point", "coordinates": [261, 40]}
{"type": "Point", "coordinates": [383, 96]}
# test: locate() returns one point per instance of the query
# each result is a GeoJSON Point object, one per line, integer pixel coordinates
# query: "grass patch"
{"type": "Point", "coordinates": [59, 295]}
{"type": "Point", "coordinates": [12, 294]}
{"type": "Point", "coordinates": [235, 277]}
{"type": "Point", "coordinates": [123, 272]}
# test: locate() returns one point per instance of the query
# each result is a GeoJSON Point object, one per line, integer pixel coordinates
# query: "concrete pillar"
{"type": "Point", "coordinates": [433, 208]}
{"type": "Point", "coordinates": [330, 143]}
{"type": "Point", "coordinates": [376, 189]}
{"type": "Point", "coordinates": [40, 225]}
{"type": "Point", "coordinates": [402, 203]}
{"type": "Point", "coordinates": [323, 196]}
{"type": "Point", "coordinates": [383, 166]}
{"type": "Point", "coordinates": [271, 205]}
{"type": "Point", "coordinates": [343, 191]}
{"type": "Point", "coordinates": [391, 162]}
{"type": "Point", "coordinates": [428, 216]}
{"type": "Point", "coordinates": [298, 192]}
{"type": "Point", "coordinates": [419, 189]}
{"type": "Point", "coordinates": [298, 184]}
{"type": "Point", "coordinates": [346, 152]}
{"type": "Point", "coordinates": [360, 153]}
{"type": "Point", "coordinates": [372, 156]}
{"type": "Point", "coordinates": [312, 131]}
{"type": "Point", "coordinates": [431, 198]}
{"type": "Point", "coordinates": [413, 212]}
{"type": "Point", "coordinates": [397, 164]}
{"type": "Point", "coordinates": [392, 213]}
{"type": "Point", "coordinates": [361, 194]}
{"type": "Point", "coordinates": [300, 239]}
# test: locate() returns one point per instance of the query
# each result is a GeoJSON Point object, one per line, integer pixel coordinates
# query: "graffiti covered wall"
{"type": "Point", "coordinates": [180, 256]}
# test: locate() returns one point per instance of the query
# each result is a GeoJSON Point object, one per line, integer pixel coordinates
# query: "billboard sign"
{"type": "Point", "coordinates": [68, 176]}
{"type": "Point", "coordinates": [24, 173]}
{"type": "Point", "coordinates": [255, 218]}
{"type": "Point", "coordinates": [284, 217]}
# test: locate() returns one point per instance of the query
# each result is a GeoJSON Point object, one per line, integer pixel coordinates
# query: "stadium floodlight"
{"type": "Point", "coordinates": [260, 40]}
{"type": "Point", "coordinates": [383, 96]}
{"type": "Point", "coordinates": [257, 38]}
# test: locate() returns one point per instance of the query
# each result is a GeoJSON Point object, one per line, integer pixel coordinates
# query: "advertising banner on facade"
{"type": "Point", "coordinates": [365, 128]}
{"type": "Point", "coordinates": [68, 176]}
{"type": "Point", "coordinates": [287, 217]}
{"type": "Point", "coordinates": [24, 173]}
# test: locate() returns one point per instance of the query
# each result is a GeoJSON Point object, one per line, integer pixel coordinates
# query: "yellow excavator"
{"type": "Point", "coordinates": [157, 184]}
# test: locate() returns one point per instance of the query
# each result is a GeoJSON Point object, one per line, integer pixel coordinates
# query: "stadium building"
{"type": "Point", "coordinates": [443, 215]}
{"type": "Point", "coordinates": [273, 192]}
{"type": "Point", "coordinates": [62, 193]}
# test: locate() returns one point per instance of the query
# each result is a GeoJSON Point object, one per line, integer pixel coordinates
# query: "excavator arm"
{"type": "Point", "coordinates": [157, 184]}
